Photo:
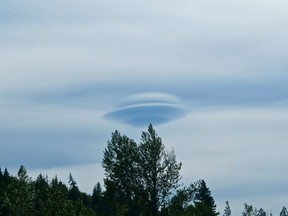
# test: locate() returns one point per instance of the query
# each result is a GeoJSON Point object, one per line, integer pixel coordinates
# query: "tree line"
{"type": "Point", "coordinates": [140, 180]}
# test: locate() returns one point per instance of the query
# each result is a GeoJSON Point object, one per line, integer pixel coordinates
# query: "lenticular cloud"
{"type": "Point", "coordinates": [145, 108]}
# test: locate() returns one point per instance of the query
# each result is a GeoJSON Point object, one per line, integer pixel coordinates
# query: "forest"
{"type": "Point", "coordinates": [140, 180]}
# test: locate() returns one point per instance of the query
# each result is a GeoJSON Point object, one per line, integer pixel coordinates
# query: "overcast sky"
{"type": "Point", "coordinates": [211, 76]}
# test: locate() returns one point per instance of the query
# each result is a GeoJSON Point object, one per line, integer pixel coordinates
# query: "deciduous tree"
{"type": "Point", "coordinates": [140, 177]}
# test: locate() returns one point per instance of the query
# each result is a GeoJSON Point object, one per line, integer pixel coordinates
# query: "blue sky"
{"type": "Point", "coordinates": [213, 73]}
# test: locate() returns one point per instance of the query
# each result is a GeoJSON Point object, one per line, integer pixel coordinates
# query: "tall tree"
{"type": "Point", "coordinates": [5, 191]}
{"type": "Point", "coordinates": [42, 198]}
{"type": "Point", "coordinates": [140, 177]}
{"type": "Point", "coordinates": [159, 170]}
{"type": "Point", "coordinates": [74, 192]}
{"type": "Point", "coordinates": [120, 163]}
{"type": "Point", "coordinates": [96, 195]}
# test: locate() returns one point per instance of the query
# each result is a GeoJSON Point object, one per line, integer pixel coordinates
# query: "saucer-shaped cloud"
{"type": "Point", "coordinates": [145, 108]}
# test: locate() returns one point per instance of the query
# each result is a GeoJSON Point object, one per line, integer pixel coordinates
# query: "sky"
{"type": "Point", "coordinates": [209, 75]}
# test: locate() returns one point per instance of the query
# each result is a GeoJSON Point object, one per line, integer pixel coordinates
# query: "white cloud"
{"type": "Point", "coordinates": [240, 152]}
{"type": "Point", "coordinates": [64, 64]}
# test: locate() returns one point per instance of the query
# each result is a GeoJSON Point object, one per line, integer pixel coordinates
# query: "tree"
{"type": "Point", "coordinates": [195, 200]}
{"type": "Point", "coordinates": [284, 211]}
{"type": "Point", "coordinates": [74, 192]}
{"type": "Point", "coordinates": [5, 190]}
{"type": "Point", "coordinates": [227, 210]}
{"type": "Point", "coordinates": [159, 171]}
{"type": "Point", "coordinates": [42, 197]}
{"type": "Point", "coordinates": [140, 177]}
{"type": "Point", "coordinates": [97, 199]}
{"type": "Point", "coordinates": [20, 195]}
{"type": "Point", "coordinates": [180, 204]}
{"type": "Point", "coordinates": [261, 212]}
{"type": "Point", "coordinates": [203, 199]}
{"type": "Point", "coordinates": [96, 195]}
{"type": "Point", "coordinates": [120, 164]}
{"type": "Point", "coordinates": [248, 210]}
{"type": "Point", "coordinates": [22, 174]}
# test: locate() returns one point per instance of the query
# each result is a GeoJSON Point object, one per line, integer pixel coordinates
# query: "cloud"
{"type": "Point", "coordinates": [46, 149]}
{"type": "Point", "coordinates": [65, 64]}
{"type": "Point", "coordinates": [145, 108]}
{"type": "Point", "coordinates": [47, 136]}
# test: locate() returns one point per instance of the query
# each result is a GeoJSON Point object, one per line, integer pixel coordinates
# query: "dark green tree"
{"type": "Point", "coordinates": [5, 192]}
{"type": "Point", "coordinates": [98, 200]}
{"type": "Point", "coordinates": [203, 199]}
{"type": "Point", "coordinates": [284, 211]}
{"type": "Point", "coordinates": [227, 210]}
{"type": "Point", "coordinates": [193, 200]}
{"type": "Point", "coordinates": [58, 204]}
{"type": "Point", "coordinates": [6, 173]}
{"type": "Point", "coordinates": [19, 197]}
{"type": "Point", "coordinates": [96, 195]}
{"type": "Point", "coordinates": [180, 204]}
{"type": "Point", "coordinates": [74, 192]}
{"type": "Point", "coordinates": [42, 196]}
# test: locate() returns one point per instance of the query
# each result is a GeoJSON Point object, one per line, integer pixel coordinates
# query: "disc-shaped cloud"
{"type": "Point", "coordinates": [143, 109]}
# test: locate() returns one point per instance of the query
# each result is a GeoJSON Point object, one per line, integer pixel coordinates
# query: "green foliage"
{"type": "Point", "coordinates": [139, 178]}
{"type": "Point", "coordinates": [194, 200]}
{"type": "Point", "coordinates": [250, 211]}
{"type": "Point", "coordinates": [159, 173]}
{"type": "Point", "coordinates": [181, 202]}
{"type": "Point", "coordinates": [204, 199]}
{"type": "Point", "coordinates": [22, 196]}
{"type": "Point", "coordinates": [5, 180]}
{"type": "Point", "coordinates": [120, 165]}
{"type": "Point", "coordinates": [74, 192]}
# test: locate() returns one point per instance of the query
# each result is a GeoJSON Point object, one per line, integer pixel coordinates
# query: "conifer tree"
{"type": "Point", "coordinates": [227, 210]}
{"type": "Point", "coordinates": [284, 211]}
{"type": "Point", "coordinates": [204, 199]}
{"type": "Point", "coordinates": [74, 192]}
